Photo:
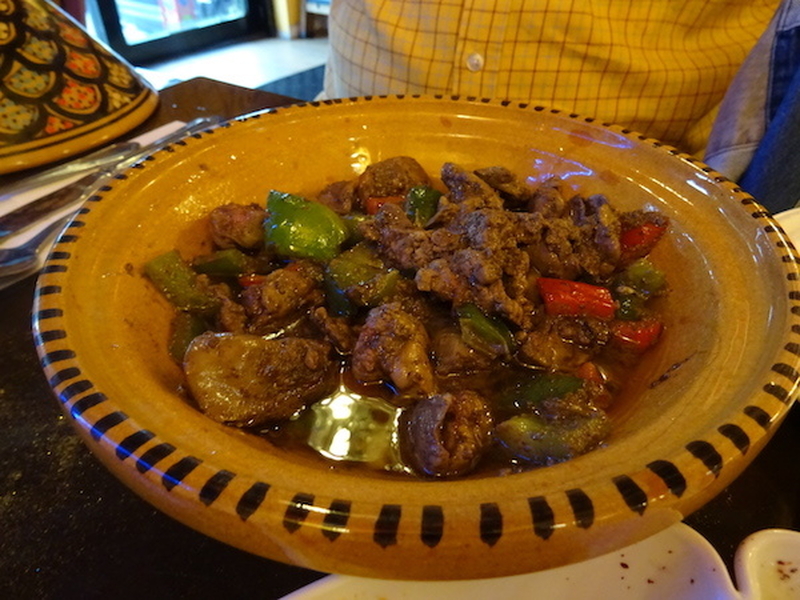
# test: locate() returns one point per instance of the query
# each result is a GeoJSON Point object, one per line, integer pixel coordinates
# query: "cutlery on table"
{"type": "Point", "coordinates": [107, 155]}
{"type": "Point", "coordinates": [76, 192]}
{"type": "Point", "coordinates": [25, 257]}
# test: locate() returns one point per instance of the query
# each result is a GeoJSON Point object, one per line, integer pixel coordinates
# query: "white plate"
{"type": "Point", "coordinates": [677, 563]}
{"type": "Point", "coordinates": [790, 221]}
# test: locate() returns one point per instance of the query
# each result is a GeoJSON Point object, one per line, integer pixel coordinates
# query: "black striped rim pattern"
{"type": "Point", "coordinates": [146, 451]}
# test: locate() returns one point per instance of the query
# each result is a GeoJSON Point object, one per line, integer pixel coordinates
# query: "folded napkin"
{"type": "Point", "coordinates": [22, 199]}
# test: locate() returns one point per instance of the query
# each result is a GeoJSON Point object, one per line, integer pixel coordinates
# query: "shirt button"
{"type": "Point", "coordinates": [475, 62]}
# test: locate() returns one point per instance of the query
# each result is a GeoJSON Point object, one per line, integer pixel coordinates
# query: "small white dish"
{"type": "Point", "coordinates": [790, 221]}
{"type": "Point", "coordinates": [675, 563]}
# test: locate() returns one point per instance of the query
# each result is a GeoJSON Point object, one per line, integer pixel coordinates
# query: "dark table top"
{"type": "Point", "coordinates": [69, 529]}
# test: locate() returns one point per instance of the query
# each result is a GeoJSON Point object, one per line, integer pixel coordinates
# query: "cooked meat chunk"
{"type": "Point", "coordinates": [600, 249]}
{"type": "Point", "coordinates": [477, 252]}
{"type": "Point", "coordinates": [337, 330]}
{"type": "Point", "coordinates": [339, 196]}
{"type": "Point", "coordinates": [495, 229]}
{"type": "Point", "coordinates": [420, 305]}
{"type": "Point", "coordinates": [636, 218]}
{"type": "Point", "coordinates": [471, 277]}
{"type": "Point", "coordinates": [399, 241]}
{"type": "Point", "coordinates": [492, 270]}
{"type": "Point", "coordinates": [501, 237]}
{"type": "Point", "coordinates": [390, 177]}
{"type": "Point", "coordinates": [446, 434]}
{"type": "Point", "coordinates": [562, 343]}
{"type": "Point", "coordinates": [468, 189]}
{"type": "Point", "coordinates": [238, 225]}
{"type": "Point", "coordinates": [247, 380]}
{"type": "Point", "coordinates": [548, 199]}
{"type": "Point", "coordinates": [583, 245]}
{"type": "Point", "coordinates": [282, 297]}
{"type": "Point", "coordinates": [393, 345]}
{"type": "Point", "coordinates": [552, 254]}
{"type": "Point", "coordinates": [545, 199]}
{"type": "Point", "coordinates": [452, 355]}
{"type": "Point", "coordinates": [231, 315]}
{"type": "Point", "coordinates": [516, 194]}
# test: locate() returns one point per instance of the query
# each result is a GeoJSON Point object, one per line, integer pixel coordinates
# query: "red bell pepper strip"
{"type": "Point", "coordinates": [590, 372]}
{"type": "Point", "coordinates": [638, 241]}
{"type": "Point", "coordinates": [636, 336]}
{"type": "Point", "coordinates": [574, 298]}
{"type": "Point", "coordinates": [251, 279]}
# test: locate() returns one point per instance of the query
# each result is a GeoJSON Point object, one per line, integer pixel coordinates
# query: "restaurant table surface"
{"type": "Point", "coordinates": [70, 529]}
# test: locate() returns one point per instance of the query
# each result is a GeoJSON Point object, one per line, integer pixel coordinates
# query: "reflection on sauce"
{"type": "Point", "coordinates": [349, 426]}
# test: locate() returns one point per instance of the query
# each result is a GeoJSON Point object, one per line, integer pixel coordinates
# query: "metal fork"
{"type": "Point", "coordinates": [25, 257]}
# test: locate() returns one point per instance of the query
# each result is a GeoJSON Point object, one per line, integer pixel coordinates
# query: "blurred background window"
{"type": "Point", "coordinates": [150, 30]}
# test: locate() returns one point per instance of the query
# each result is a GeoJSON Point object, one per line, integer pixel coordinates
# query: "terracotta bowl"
{"type": "Point", "coordinates": [61, 92]}
{"type": "Point", "coordinates": [693, 415]}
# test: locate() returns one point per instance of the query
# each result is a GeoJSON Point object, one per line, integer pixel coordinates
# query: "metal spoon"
{"type": "Point", "coordinates": [25, 257]}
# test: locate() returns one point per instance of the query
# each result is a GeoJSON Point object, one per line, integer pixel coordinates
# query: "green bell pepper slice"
{"type": "Point", "coordinates": [230, 262]}
{"type": "Point", "coordinates": [421, 203]}
{"type": "Point", "coordinates": [634, 286]}
{"type": "Point", "coordinates": [358, 277]}
{"type": "Point", "coordinates": [185, 327]}
{"type": "Point", "coordinates": [353, 223]}
{"type": "Point", "coordinates": [631, 307]}
{"type": "Point", "coordinates": [355, 266]}
{"type": "Point", "coordinates": [178, 282]}
{"type": "Point", "coordinates": [534, 440]}
{"type": "Point", "coordinates": [483, 333]}
{"type": "Point", "coordinates": [643, 276]}
{"type": "Point", "coordinates": [299, 228]}
{"type": "Point", "coordinates": [529, 393]}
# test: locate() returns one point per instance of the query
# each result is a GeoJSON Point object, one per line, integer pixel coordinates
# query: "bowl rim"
{"type": "Point", "coordinates": [161, 469]}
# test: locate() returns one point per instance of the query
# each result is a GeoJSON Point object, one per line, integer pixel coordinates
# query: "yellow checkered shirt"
{"type": "Point", "coordinates": [660, 67]}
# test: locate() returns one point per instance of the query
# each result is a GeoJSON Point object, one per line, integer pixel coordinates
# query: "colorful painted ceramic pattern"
{"type": "Point", "coordinates": [59, 87]}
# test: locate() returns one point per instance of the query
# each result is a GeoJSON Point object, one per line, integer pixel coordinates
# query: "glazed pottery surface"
{"type": "Point", "coordinates": [61, 92]}
{"type": "Point", "coordinates": [692, 416]}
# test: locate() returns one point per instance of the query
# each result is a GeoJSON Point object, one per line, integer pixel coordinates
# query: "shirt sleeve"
{"type": "Point", "coordinates": [759, 97]}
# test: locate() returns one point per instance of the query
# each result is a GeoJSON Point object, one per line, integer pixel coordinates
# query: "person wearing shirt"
{"type": "Point", "coordinates": [660, 67]}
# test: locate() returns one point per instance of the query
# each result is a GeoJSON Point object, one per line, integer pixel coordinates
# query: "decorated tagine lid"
{"type": "Point", "coordinates": [61, 92]}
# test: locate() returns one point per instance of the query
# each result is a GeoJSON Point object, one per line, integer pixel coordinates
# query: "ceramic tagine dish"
{"type": "Point", "coordinates": [690, 416]}
{"type": "Point", "coordinates": [61, 92]}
